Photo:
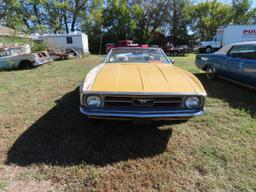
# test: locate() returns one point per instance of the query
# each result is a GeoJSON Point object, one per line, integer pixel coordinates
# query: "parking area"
{"type": "Point", "coordinates": [47, 145]}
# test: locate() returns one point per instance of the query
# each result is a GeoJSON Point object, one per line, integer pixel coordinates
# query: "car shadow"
{"type": "Point", "coordinates": [237, 96]}
{"type": "Point", "coordinates": [65, 137]}
{"type": "Point", "coordinates": [14, 69]}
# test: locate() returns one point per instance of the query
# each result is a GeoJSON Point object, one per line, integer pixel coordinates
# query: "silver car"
{"type": "Point", "coordinates": [11, 58]}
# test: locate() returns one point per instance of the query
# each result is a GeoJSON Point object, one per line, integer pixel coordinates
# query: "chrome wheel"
{"type": "Point", "coordinates": [210, 73]}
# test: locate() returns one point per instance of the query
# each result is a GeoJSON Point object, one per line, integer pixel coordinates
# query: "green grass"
{"type": "Point", "coordinates": [47, 145]}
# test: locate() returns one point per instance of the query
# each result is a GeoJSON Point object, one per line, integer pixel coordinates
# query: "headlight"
{"type": "Point", "coordinates": [93, 101]}
{"type": "Point", "coordinates": [192, 102]}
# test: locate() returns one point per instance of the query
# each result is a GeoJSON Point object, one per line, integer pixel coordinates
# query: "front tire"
{"type": "Point", "coordinates": [208, 50]}
{"type": "Point", "coordinates": [210, 73]}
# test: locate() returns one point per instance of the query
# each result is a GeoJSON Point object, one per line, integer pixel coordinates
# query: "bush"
{"type": "Point", "coordinates": [38, 46]}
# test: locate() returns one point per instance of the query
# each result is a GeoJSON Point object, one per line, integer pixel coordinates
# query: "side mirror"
{"type": "Point", "coordinates": [173, 61]}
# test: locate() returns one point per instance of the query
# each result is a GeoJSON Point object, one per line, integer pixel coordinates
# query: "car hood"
{"type": "Point", "coordinates": [153, 77]}
{"type": "Point", "coordinates": [205, 43]}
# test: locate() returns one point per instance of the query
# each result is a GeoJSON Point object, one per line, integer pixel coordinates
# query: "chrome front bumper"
{"type": "Point", "coordinates": [178, 114]}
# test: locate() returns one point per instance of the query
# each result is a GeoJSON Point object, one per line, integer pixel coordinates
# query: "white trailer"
{"type": "Point", "coordinates": [229, 34]}
{"type": "Point", "coordinates": [75, 41]}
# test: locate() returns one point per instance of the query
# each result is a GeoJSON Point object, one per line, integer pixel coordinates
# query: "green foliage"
{"type": "Point", "coordinates": [242, 12]}
{"type": "Point", "coordinates": [207, 17]}
{"type": "Point", "coordinates": [91, 24]}
{"type": "Point", "coordinates": [44, 16]}
{"type": "Point", "coordinates": [14, 40]}
{"type": "Point", "coordinates": [139, 20]}
{"type": "Point", "coordinates": [38, 46]}
{"type": "Point", "coordinates": [179, 14]}
{"type": "Point", "coordinates": [144, 21]}
{"type": "Point", "coordinates": [118, 20]}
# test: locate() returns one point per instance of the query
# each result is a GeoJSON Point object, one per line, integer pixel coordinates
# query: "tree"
{"type": "Point", "coordinates": [92, 24]}
{"type": "Point", "coordinates": [3, 9]}
{"type": "Point", "coordinates": [150, 17]}
{"type": "Point", "coordinates": [179, 21]}
{"type": "Point", "coordinates": [207, 17]}
{"type": "Point", "coordinates": [45, 15]}
{"type": "Point", "coordinates": [242, 12]}
{"type": "Point", "coordinates": [118, 20]}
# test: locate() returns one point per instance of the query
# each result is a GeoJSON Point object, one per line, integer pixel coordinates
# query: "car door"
{"type": "Point", "coordinates": [216, 42]}
{"type": "Point", "coordinates": [249, 71]}
{"type": "Point", "coordinates": [241, 60]}
{"type": "Point", "coordinates": [248, 57]}
{"type": "Point", "coordinates": [6, 61]}
{"type": "Point", "coordinates": [231, 64]}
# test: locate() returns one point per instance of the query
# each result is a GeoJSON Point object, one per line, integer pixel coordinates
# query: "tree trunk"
{"type": "Point", "coordinates": [73, 24]}
{"type": "Point", "coordinates": [66, 23]}
{"type": "Point", "coordinates": [37, 14]}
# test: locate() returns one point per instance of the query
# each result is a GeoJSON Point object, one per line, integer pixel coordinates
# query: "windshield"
{"type": "Point", "coordinates": [10, 52]}
{"type": "Point", "coordinates": [137, 56]}
{"type": "Point", "coordinates": [223, 50]}
{"type": "Point", "coordinates": [14, 51]}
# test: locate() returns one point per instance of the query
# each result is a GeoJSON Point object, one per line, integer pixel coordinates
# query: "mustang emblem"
{"type": "Point", "coordinates": [143, 102]}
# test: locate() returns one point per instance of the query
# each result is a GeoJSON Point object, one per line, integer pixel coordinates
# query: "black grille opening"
{"type": "Point", "coordinates": [117, 104]}
{"type": "Point", "coordinates": [143, 102]}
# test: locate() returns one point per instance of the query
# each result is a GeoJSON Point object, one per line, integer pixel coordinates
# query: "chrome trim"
{"type": "Point", "coordinates": [139, 94]}
{"type": "Point", "coordinates": [233, 81]}
{"type": "Point", "coordinates": [143, 102]}
{"type": "Point", "coordinates": [141, 114]}
{"type": "Point", "coordinates": [144, 93]}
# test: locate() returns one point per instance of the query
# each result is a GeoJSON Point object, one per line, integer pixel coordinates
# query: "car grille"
{"type": "Point", "coordinates": [142, 102]}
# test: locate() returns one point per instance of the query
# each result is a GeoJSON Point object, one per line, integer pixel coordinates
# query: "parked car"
{"type": "Point", "coordinates": [185, 48]}
{"type": "Point", "coordinates": [235, 62]}
{"type": "Point", "coordinates": [140, 83]}
{"type": "Point", "coordinates": [174, 51]}
{"type": "Point", "coordinates": [15, 58]}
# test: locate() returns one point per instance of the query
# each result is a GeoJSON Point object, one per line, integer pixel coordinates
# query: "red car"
{"type": "Point", "coordinates": [124, 43]}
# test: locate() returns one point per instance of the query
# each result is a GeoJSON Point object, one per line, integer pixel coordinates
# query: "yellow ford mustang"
{"type": "Point", "coordinates": [140, 83]}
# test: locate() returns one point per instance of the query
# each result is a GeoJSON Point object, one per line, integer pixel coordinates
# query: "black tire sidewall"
{"type": "Point", "coordinates": [25, 65]}
{"type": "Point", "coordinates": [209, 50]}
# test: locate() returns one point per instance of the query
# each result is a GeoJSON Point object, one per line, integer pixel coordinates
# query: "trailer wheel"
{"type": "Point", "coordinates": [25, 64]}
{"type": "Point", "coordinates": [208, 49]}
{"type": "Point", "coordinates": [210, 73]}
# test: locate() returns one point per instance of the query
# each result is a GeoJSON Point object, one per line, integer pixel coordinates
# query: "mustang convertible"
{"type": "Point", "coordinates": [140, 83]}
